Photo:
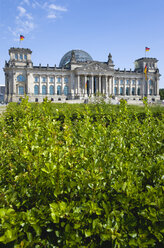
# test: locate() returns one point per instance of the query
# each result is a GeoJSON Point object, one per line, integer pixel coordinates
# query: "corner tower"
{"type": "Point", "coordinates": [16, 73]}
{"type": "Point", "coordinates": [151, 84]}
{"type": "Point", "coordinates": [20, 57]}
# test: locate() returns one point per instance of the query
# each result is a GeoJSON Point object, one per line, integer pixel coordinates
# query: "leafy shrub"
{"type": "Point", "coordinates": [81, 176]}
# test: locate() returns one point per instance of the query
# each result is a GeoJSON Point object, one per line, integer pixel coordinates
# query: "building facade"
{"type": "Point", "coordinates": [2, 93]}
{"type": "Point", "coordinates": [78, 77]}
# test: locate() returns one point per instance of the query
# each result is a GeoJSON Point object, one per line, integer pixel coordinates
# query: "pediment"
{"type": "Point", "coordinates": [94, 66]}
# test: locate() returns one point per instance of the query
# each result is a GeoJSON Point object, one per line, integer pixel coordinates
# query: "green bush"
{"type": "Point", "coordinates": [81, 176]}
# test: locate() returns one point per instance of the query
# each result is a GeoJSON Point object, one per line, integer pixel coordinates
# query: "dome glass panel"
{"type": "Point", "coordinates": [81, 56]}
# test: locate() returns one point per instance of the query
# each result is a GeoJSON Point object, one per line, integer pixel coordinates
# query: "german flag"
{"type": "Point", "coordinates": [145, 71]}
{"type": "Point", "coordinates": [86, 84]}
{"type": "Point", "coordinates": [147, 49]}
{"type": "Point", "coordinates": [21, 37]}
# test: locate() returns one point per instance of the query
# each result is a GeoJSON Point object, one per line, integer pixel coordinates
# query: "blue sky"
{"type": "Point", "coordinates": [53, 27]}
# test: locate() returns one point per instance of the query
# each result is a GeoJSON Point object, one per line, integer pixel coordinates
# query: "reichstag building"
{"type": "Point", "coordinates": [78, 78]}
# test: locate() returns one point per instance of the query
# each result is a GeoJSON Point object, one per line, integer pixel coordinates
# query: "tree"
{"type": "Point", "coordinates": [161, 93]}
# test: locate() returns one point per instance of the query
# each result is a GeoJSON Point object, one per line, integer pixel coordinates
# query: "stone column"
{"type": "Point", "coordinates": [147, 92]}
{"type": "Point", "coordinates": [113, 79]}
{"type": "Point", "coordinates": [55, 89]}
{"type": "Point", "coordinates": [48, 86]}
{"type": "Point", "coordinates": [130, 90]}
{"type": "Point", "coordinates": [40, 85]}
{"type": "Point", "coordinates": [62, 85]}
{"type": "Point", "coordinates": [143, 88]}
{"type": "Point", "coordinates": [110, 85]}
{"type": "Point", "coordinates": [27, 84]}
{"type": "Point", "coordinates": [99, 84]}
{"type": "Point", "coordinates": [157, 87]}
{"type": "Point", "coordinates": [85, 83]}
{"type": "Point", "coordinates": [124, 93]}
{"type": "Point", "coordinates": [14, 84]}
{"type": "Point", "coordinates": [103, 85]}
{"type": "Point", "coordinates": [89, 85]}
{"type": "Point", "coordinates": [118, 90]}
{"type": "Point", "coordinates": [106, 86]}
{"type": "Point", "coordinates": [96, 82]}
{"type": "Point", "coordinates": [72, 85]}
{"type": "Point", "coordinates": [136, 87]}
{"type": "Point", "coordinates": [92, 85]}
{"type": "Point", "coordinates": [78, 85]}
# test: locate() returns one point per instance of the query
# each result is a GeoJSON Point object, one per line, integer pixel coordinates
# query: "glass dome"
{"type": "Point", "coordinates": [81, 56]}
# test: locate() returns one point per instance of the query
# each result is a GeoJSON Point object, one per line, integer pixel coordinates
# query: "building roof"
{"type": "Point", "coordinates": [23, 50]}
{"type": "Point", "coordinates": [147, 59]}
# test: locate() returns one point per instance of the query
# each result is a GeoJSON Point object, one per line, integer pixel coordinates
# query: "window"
{"type": "Point", "coordinates": [66, 80]}
{"type": "Point", "coordinates": [25, 57]}
{"type": "Point", "coordinates": [51, 79]}
{"type": "Point", "coordinates": [116, 81]}
{"type": "Point", "coordinates": [66, 90]}
{"type": "Point", "coordinates": [16, 56]}
{"type": "Point", "coordinates": [51, 89]}
{"type": "Point", "coordinates": [59, 90]}
{"type": "Point", "coordinates": [36, 79]}
{"type": "Point", "coordinates": [139, 82]}
{"type": "Point", "coordinates": [115, 90]}
{"type": "Point", "coordinates": [59, 79]}
{"type": "Point", "coordinates": [133, 91]}
{"type": "Point", "coordinates": [21, 90]}
{"type": "Point", "coordinates": [127, 91]}
{"type": "Point", "coordinates": [20, 78]}
{"type": "Point", "coordinates": [121, 90]}
{"type": "Point", "coordinates": [21, 56]}
{"type": "Point", "coordinates": [44, 79]}
{"type": "Point", "coordinates": [36, 99]}
{"type": "Point", "coordinates": [121, 82]}
{"type": "Point", "coordinates": [150, 92]}
{"type": "Point", "coordinates": [128, 81]}
{"type": "Point", "coordinates": [133, 81]}
{"type": "Point", "coordinates": [44, 90]}
{"type": "Point", "coordinates": [150, 82]}
{"type": "Point", "coordinates": [138, 92]}
{"type": "Point", "coordinates": [36, 90]}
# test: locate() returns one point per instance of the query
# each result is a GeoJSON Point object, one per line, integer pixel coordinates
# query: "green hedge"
{"type": "Point", "coordinates": [81, 176]}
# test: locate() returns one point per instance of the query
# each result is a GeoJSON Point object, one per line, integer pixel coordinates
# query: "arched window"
{"type": "Point", "coordinates": [115, 90]}
{"type": "Point", "coordinates": [127, 91]}
{"type": "Point", "coordinates": [21, 90]}
{"type": "Point", "coordinates": [51, 89]}
{"type": "Point", "coordinates": [121, 91]}
{"type": "Point", "coordinates": [66, 80]}
{"type": "Point", "coordinates": [44, 90]}
{"type": "Point", "coordinates": [21, 78]}
{"type": "Point", "coordinates": [59, 90]}
{"type": "Point", "coordinates": [66, 90]}
{"type": "Point", "coordinates": [36, 79]}
{"type": "Point", "coordinates": [138, 92]}
{"type": "Point", "coordinates": [150, 82]}
{"type": "Point", "coordinates": [36, 90]}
